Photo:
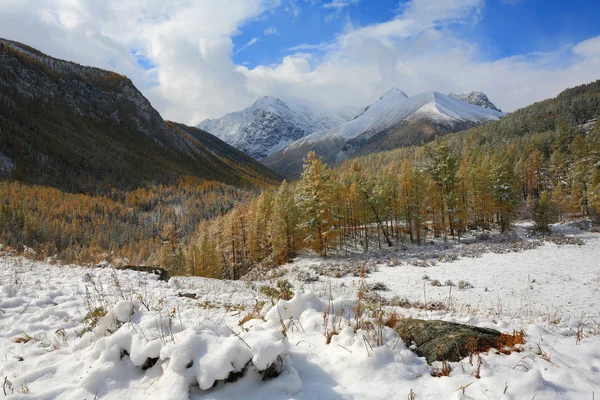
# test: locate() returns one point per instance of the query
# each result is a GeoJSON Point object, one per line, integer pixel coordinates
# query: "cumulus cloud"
{"type": "Point", "coordinates": [417, 51]}
{"type": "Point", "coordinates": [179, 53]}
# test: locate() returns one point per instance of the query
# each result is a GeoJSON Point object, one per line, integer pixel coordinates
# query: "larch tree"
{"type": "Point", "coordinates": [314, 200]}
{"type": "Point", "coordinates": [284, 223]}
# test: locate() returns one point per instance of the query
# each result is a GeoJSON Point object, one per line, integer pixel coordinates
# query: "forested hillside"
{"type": "Point", "coordinates": [83, 129]}
{"type": "Point", "coordinates": [542, 161]}
{"type": "Point", "coordinates": [89, 170]}
{"type": "Point", "coordinates": [121, 227]}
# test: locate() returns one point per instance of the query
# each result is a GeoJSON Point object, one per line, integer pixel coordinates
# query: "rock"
{"type": "Point", "coordinates": [273, 370]}
{"type": "Point", "coordinates": [192, 296]}
{"type": "Point", "coordinates": [446, 341]}
{"type": "Point", "coordinates": [163, 274]}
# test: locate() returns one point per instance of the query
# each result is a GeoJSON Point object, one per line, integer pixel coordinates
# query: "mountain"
{"type": "Point", "coordinates": [270, 124]}
{"type": "Point", "coordinates": [85, 129]}
{"type": "Point", "coordinates": [393, 121]}
{"type": "Point", "coordinates": [475, 98]}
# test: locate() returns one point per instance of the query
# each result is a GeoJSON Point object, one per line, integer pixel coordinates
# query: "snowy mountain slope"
{"type": "Point", "coordinates": [475, 98]}
{"type": "Point", "coordinates": [271, 124]}
{"type": "Point", "coordinates": [410, 120]}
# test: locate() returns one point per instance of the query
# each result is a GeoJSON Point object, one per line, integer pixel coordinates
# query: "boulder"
{"type": "Point", "coordinates": [447, 341]}
{"type": "Point", "coordinates": [163, 274]}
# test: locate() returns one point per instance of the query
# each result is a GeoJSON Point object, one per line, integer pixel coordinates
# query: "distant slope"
{"type": "Point", "coordinates": [270, 124]}
{"type": "Point", "coordinates": [85, 129]}
{"type": "Point", "coordinates": [395, 120]}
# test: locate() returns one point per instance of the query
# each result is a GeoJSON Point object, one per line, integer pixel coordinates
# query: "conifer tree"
{"type": "Point", "coordinates": [284, 222]}
{"type": "Point", "coordinates": [313, 197]}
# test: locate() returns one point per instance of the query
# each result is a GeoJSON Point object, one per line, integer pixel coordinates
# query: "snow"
{"type": "Point", "coordinates": [270, 124]}
{"type": "Point", "coordinates": [476, 98]}
{"type": "Point", "coordinates": [550, 291]}
{"type": "Point", "coordinates": [396, 107]}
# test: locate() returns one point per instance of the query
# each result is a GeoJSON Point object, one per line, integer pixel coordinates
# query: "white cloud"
{"type": "Point", "coordinates": [250, 43]}
{"type": "Point", "coordinates": [337, 6]}
{"type": "Point", "coordinates": [189, 43]}
{"type": "Point", "coordinates": [271, 31]}
{"type": "Point", "coordinates": [291, 7]}
{"type": "Point", "coordinates": [417, 51]}
{"type": "Point", "coordinates": [589, 48]}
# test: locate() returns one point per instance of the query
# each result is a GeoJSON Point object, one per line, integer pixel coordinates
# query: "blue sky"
{"type": "Point", "coordinates": [307, 22]}
{"type": "Point", "coordinates": [502, 29]}
{"type": "Point", "coordinates": [197, 59]}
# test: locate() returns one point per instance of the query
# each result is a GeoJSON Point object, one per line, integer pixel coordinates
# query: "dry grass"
{"type": "Point", "coordinates": [510, 343]}
{"type": "Point", "coordinates": [580, 335]}
{"type": "Point", "coordinates": [25, 338]}
{"type": "Point", "coordinates": [444, 370]}
{"type": "Point", "coordinates": [392, 320]}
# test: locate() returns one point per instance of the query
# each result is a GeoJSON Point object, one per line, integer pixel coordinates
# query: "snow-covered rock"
{"type": "Point", "coordinates": [475, 98]}
{"type": "Point", "coordinates": [270, 124]}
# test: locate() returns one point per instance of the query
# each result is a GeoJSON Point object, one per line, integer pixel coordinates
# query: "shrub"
{"type": "Point", "coordinates": [464, 285]}
{"type": "Point", "coordinates": [283, 290]}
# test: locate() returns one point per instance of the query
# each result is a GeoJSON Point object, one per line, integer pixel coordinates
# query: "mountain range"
{"type": "Point", "coordinates": [84, 129]}
{"type": "Point", "coordinates": [395, 120]}
{"type": "Point", "coordinates": [270, 124]}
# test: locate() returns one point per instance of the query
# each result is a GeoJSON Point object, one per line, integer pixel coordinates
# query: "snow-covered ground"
{"type": "Point", "coordinates": [155, 344]}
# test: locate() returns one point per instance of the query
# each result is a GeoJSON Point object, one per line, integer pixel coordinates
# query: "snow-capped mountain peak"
{"type": "Point", "coordinates": [394, 94]}
{"type": "Point", "coordinates": [475, 98]}
{"type": "Point", "coordinates": [270, 124]}
{"type": "Point", "coordinates": [392, 121]}
{"type": "Point", "coordinates": [395, 107]}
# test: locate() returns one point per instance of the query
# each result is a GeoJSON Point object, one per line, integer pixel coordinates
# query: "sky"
{"type": "Point", "coordinates": [198, 59]}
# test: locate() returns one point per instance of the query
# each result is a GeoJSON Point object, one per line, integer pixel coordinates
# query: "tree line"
{"type": "Point", "coordinates": [121, 226]}
{"type": "Point", "coordinates": [441, 190]}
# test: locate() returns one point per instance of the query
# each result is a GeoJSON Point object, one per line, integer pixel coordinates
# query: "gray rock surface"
{"type": "Point", "coordinates": [445, 341]}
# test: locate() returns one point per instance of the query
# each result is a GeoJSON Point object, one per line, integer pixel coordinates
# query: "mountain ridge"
{"type": "Point", "coordinates": [476, 98]}
{"type": "Point", "coordinates": [82, 128]}
{"type": "Point", "coordinates": [394, 120]}
{"type": "Point", "coordinates": [271, 123]}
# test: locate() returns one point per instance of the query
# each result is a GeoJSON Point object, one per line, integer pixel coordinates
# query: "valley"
{"type": "Point", "coordinates": [254, 199]}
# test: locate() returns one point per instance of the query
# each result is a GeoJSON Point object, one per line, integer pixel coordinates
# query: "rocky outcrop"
{"type": "Point", "coordinates": [477, 99]}
{"type": "Point", "coordinates": [451, 342]}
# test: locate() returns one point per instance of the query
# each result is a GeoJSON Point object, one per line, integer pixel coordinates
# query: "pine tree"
{"type": "Point", "coordinates": [443, 168]}
{"type": "Point", "coordinates": [545, 212]}
{"type": "Point", "coordinates": [503, 186]}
